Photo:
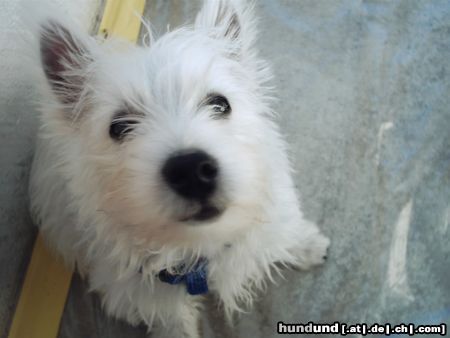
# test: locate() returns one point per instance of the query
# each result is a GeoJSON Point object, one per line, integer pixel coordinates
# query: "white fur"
{"type": "Point", "coordinates": [103, 205]}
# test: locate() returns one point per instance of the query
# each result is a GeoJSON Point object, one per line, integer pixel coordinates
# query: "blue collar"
{"type": "Point", "coordinates": [195, 279]}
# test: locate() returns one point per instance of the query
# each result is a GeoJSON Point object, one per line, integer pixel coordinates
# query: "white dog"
{"type": "Point", "coordinates": [159, 171]}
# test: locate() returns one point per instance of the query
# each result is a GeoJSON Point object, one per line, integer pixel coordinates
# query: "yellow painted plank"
{"type": "Point", "coordinates": [122, 19]}
{"type": "Point", "coordinates": [47, 281]}
{"type": "Point", "coordinates": [43, 295]}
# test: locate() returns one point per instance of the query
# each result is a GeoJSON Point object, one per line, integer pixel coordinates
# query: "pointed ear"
{"type": "Point", "coordinates": [64, 60]}
{"type": "Point", "coordinates": [228, 19]}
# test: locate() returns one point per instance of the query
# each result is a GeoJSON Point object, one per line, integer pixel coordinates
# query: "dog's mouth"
{"type": "Point", "coordinates": [206, 213]}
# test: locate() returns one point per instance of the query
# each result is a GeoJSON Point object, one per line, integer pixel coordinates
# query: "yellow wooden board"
{"type": "Point", "coordinates": [43, 296]}
{"type": "Point", "coordinates": [47, 281]}
{"type": "Point", "coordinates": [122, 18]}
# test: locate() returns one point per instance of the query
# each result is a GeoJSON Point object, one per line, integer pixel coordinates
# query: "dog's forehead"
{"type": "Point", "coordinates": [189, 63]}
{"type": "Point", "coordinates": [185, 53]}
{"type": "Point", "coordinates": [179, 68]}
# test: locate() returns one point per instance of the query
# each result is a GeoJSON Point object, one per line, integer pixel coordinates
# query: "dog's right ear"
{"type": "Point", "coordinates": [65, 59]}
{"type": "Point", "coordinates": [232, 20]}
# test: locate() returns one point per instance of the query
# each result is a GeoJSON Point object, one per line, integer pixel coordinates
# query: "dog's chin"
{"type": "Point", "coordinates": [206, 214]}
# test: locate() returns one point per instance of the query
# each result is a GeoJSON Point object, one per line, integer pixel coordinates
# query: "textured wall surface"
{"type": "Point", "coordinates": [363, 96]}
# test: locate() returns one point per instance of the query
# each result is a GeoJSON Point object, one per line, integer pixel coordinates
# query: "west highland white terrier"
{"type": "Point", "coordinates": [160, 173]}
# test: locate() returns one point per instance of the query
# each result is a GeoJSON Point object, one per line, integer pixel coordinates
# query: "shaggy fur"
{"type": "Point", "coordinates": [102, 203]}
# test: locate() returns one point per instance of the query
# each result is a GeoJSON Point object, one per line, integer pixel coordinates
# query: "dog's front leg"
{"type": "Point", "coordinates": [311, 246]}
{"type": "Point", "coordinates": [183, 324]}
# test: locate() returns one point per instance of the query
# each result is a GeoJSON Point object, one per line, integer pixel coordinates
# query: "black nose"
{"type": "Point", "coordinates": [192, 175]}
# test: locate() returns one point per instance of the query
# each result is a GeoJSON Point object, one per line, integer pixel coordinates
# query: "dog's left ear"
{"type": "Point", "coordinates": [229, 19]}
{"type": "Point", "coordinates": [65, 59]}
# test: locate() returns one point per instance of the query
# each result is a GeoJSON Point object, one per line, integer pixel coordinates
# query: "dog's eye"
{"type": "Point", "coordinates": [121, 126]}
{"type": "Point", "coordinates": [219, 105]}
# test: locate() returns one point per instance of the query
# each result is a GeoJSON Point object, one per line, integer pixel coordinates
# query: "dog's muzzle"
{"type": "Point", "coordinates": [193, 175]}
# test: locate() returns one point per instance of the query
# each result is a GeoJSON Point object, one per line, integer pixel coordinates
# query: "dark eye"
{"type": "Point", "coordinates": [219, 105]}
{"type": "Point", "coordinates": [121, 125]}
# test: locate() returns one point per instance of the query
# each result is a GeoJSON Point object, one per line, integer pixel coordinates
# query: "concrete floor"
{"type": "Point", "coordinates": [363, 92]}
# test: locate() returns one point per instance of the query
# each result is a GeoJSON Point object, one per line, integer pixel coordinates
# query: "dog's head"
{"type": "Point", "coordinates": [172, 138]}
